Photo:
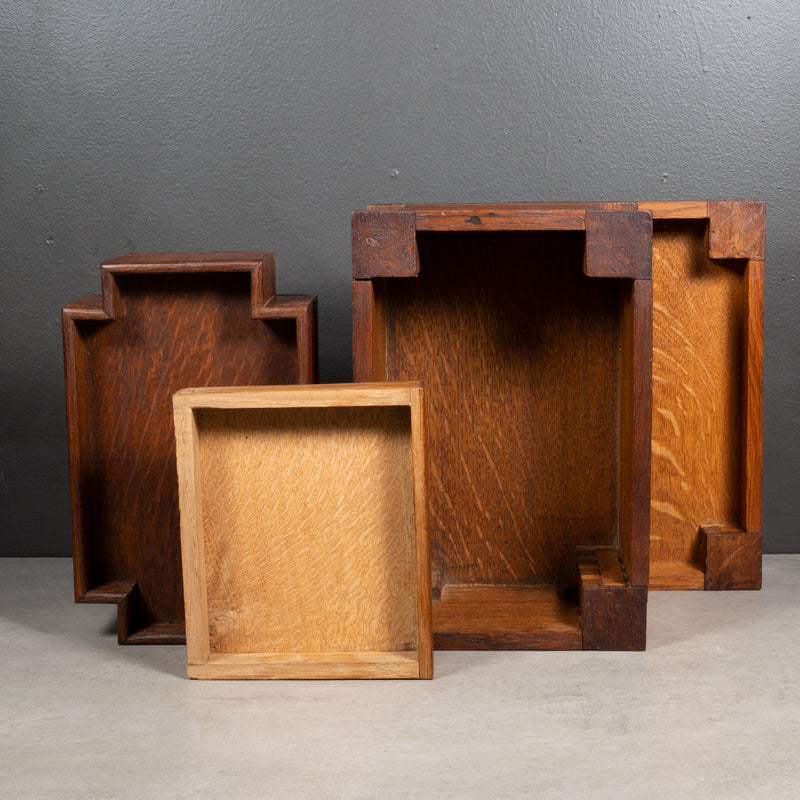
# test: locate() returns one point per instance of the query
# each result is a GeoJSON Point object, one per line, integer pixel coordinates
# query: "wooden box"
{"type": "Point", "coordinates": [530, 327]}
{"type": "Point", "coordinates": [303, 529]}
{"type": "Point", "coordinates": [163, 322]}
{"type": "Point", "coordinates": [708, 295]}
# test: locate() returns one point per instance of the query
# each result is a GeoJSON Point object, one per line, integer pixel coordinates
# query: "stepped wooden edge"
{"type": "Point", "coordinates": [613, 612]}
{"type": "Point", "coordinates": [109, 306]}
{"type": "Point", "coordinates": [736, 238]}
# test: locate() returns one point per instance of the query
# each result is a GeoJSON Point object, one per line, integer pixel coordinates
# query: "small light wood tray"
{"type": "Point", "coordinates": [303, 531]}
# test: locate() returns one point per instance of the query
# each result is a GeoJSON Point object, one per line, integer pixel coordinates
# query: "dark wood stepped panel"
{"type": "Point", "coordinates": [163, 322]}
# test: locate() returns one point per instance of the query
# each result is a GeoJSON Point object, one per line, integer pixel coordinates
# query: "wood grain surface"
{"type": "Point", "coordinates": [308, 522]}
{"type": "Point", "coordinates": [613, 612]}
{"type": "Point", "coordinates": [163, 323]}
{"type": "Point", "coordinates": [310, 525]}
{"type": "Point", "coordinates": [518, 352]}
{"type": "Point", "coordinates": [476, 617]}
{"type": "Point", "coordinates": [697, 377]}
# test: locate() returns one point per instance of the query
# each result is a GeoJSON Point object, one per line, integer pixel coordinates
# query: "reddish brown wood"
{"type": "Point", "coordinates": [618, 244]}
{"type": "Point", "coordinates": [164, 322]}
{"type": "Point", "coordinates": [736, 229]}
{"type": "Point", "coordinates": [613, 612]}
{"type": "Point", "coordinates": [731, 557]}
{"type": "Point", "coordinates": [752, 397]}
{"type": "Point", "coordinates": [384, 244]}
{"type": "Point", "coordinates": [369, 338]}
{"type": "Point", "coordinates": [519, 352]}
{"type": "Point", "coordinates": [635, 422]}
{"type": "Point", "coordinates": [505, 618]}
{"type": "Point", "coordinates": [501, 219]}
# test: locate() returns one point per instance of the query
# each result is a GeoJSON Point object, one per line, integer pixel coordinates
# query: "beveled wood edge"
{"type": "Point", "coordinates": [304, 666]}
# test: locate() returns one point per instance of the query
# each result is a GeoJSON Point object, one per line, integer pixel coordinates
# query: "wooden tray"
{"type": "Point", "coordinates": [163, 322]}
{"type": "Point", "coordinates": [530, 326]}
{"type": "Point", "coordinates": [708, 296]}
{"type": "Point", "coordinates": [303, 530]}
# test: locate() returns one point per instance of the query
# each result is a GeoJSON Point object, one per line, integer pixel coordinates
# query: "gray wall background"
{"type": "Point", "coordinates": [135, 125]}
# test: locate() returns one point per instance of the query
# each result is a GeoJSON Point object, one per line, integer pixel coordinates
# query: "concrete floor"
{"type": "Point", "coordinates": [711, 710]}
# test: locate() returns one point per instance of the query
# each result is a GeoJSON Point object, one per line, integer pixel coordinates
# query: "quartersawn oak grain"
{"type": "Point", "coordinates": [304, 532]}
{"type": "Point", "coordinates": [708, 275]}
{"type": "Point", "coordinates": [533, 372]}
{"type": "Point", "coordinates": [162, 323]}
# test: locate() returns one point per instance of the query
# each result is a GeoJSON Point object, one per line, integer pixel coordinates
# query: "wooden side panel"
{"type": "Point", "coordinates": [752, 397]}
{"type": "Point", "coordinates": [384, 244]}
{"type": "Point", "coordinates": [174, 324]}
{"type": "Point", "coordinates": [635, 429]}
{"type": "Point", "coordinates": [309, 529]}
{"type": "Point", "coordinates": [505, 618]}
{"type": "Point", "coordinates": [518, 351]}
{"type": "Point", "coordinates": [193, 555]}
{"type": "Point", "coordinates": [498, 218]}
{"type": "Point", "coordinates": [369, 331]}
{"type": "Point", "coordinates": [613, 613]}
{"type": "Point", "coordinates": [697, 376]}
{"type": "Point", "coordinates": [419, 453]}
{"type": "Point", "coordinates": [731, 557]}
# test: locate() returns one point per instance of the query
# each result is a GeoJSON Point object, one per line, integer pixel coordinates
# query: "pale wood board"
{"type": "Point", "coordinates": [310, 543]}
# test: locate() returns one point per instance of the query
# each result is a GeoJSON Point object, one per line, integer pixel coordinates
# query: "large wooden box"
{"type": "Point", "coordinates": [163, 322]}
{"type": "Point", "coordinates": [303, 528]}
{"type": "Point", "coordinates": [530, 327]}
{"type": "Point", "coordinates": [708, 295]}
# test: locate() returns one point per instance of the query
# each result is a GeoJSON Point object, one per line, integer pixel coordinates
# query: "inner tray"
{"type": "Point", "coordinates": [530, 364]}
{"type": "Point", "coordinates": [305, 551]}
{"type": "Point", "coordinates": [708, 284]}
{"type": "Point", "coordinates": [163, 322]}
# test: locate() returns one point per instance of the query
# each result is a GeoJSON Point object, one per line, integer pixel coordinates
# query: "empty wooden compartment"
{"type": "Point", "coordinates": [708, 295]}
{"type": "Point", "coordinates": [530, 327]}
{"type": "Point", "coordinates": [164, 321]}
{"type": "Point", "coordinates": [303, 530]}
